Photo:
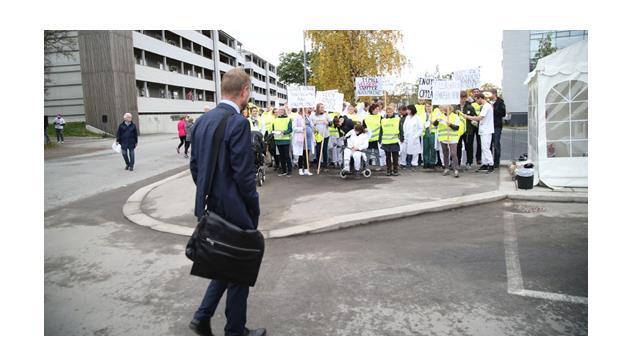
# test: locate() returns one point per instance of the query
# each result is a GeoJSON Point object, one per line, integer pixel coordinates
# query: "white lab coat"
{"type": "Point", "coordinates": [412, 129]}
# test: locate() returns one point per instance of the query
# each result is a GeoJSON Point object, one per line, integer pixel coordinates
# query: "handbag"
{"type": "Point", "coordinates": [219, 249]}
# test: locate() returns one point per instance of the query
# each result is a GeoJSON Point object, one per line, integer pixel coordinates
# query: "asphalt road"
{"type": "Point", "coordinates": [438, 274]}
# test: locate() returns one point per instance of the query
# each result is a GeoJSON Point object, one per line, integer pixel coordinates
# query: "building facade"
{"type": "Point", "coordinates": [169, 72]}
{"type": "Point", "coordinates": [519, 48]}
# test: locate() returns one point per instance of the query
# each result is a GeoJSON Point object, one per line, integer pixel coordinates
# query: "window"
{"type": "Point", "coordinates": [172, 38]}
{"type": "Point", "coordinates": [566, 113]}
{"type": "Point", "coordinates": [175, 92]}
{"type": "Point", "coordinates": [140, 87]}
{"type": "Point", "coordinates": [154, 60]}
{"type": "Point", "coordinates": [156, 90]}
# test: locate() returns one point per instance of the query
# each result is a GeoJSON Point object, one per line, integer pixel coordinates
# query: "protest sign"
{"type": "Point", "coordinates": [301, 96]}
{"type": "Point", "coordinates": [469, 79]}
{"type": "Point", "coordinates": [425, 90]}
{"type": "Point", "coordinates": [370, 86]}
{"type": "Point", "coordinates": [446, 92]}
{"type": "Point", "coordinates": [332, 100]}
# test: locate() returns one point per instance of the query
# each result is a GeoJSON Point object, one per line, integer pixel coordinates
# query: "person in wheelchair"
{"type": "Point", "coordinates": [357, 141]}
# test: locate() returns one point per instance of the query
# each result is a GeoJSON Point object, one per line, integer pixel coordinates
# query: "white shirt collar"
{"type": "Point", "coordinates": [232, 104]}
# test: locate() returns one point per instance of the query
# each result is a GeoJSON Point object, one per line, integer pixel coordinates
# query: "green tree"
{"type": "Point", "coordinates": [291, 68]}
{"type": "Point", "coordinates": [545, 48]}
{"type": "Point", "coordinates": [57, 43]}
{"type": "Point", "coordinates": [342, 55]}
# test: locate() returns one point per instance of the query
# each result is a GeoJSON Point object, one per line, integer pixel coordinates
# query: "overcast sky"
{"type": "Point", "coordinates": [453, 50]}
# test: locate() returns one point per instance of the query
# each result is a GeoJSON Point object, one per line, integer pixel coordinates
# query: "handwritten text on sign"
{"type": "Point", "coordinates": [331, 99]}
{"type": "Point", "coordinates": [301, 96]}
{"type": "Point", "coordinates": [425, 88]}
{"type": "Point", "coordinates": [368, 86]}
{"type": "Point", "coordinates": [446, 92]}
{"type": "Point", "coordinates": [469, 79]}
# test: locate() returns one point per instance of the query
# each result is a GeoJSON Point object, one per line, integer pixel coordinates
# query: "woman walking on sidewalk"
{"type": "Point", "coordinates": [187, 141]}
{"type": "Point", "coordinates": [182, 133]}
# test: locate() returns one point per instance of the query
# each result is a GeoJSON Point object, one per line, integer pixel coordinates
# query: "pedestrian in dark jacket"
{"type": "Point", "coordinates": [127, 137]}
{"type": "Point", "coordinates": [499, 112]}
{"type": "Point", "coordinates": [469, 135]}
{"type": "Point", "coordinates": [232, 195]}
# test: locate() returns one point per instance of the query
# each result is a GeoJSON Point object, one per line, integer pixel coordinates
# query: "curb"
{"type": "Point", "coordinates": [132, 210]}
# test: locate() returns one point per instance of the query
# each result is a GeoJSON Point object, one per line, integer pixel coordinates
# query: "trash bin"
{"type": "Point", "coordinates": [524, 177]}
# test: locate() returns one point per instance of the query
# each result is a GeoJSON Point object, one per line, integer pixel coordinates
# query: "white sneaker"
{"type": "Point", "coordinates": [306, 172]}
{"type": "Point", "coordinates": [301, 172]}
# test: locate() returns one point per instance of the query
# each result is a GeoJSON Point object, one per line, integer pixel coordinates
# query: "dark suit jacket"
{"type": "Point", "coordinates": [127, 136]}
{"type": "Point", "coordinates": [234, 186]}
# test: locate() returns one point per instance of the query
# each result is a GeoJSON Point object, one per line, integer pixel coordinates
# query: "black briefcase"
{"type": "Point", "coordinates": [222, 251]}
{"type": "Point", "coordinates": [219, 249]}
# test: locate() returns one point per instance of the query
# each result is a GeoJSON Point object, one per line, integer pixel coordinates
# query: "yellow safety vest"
{"type": "Point", "coordinates": [436, 114]}
{"type": "Point", "coordinates": [281, 124]}
{"type": "Point", "coordinates": [267, 120]}
{"type": "Point", "coordinates": [390, 130]}
{"type": "Point", "coordinates": [355, 118]}
{"type": "Point", "coordinates": [373, 125]}
{"type": "Point", "coordinates": [463, 125]}
{"type": "Point", "coordinates": [477, 107]}
{"type": "Point", "coordinates": [333, 131]}
{"type": "Point", "coordinates": [445, 132]}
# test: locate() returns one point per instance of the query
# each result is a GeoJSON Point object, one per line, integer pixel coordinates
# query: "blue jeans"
{"type": "Point", "coordinates": [495, 146]}
{"type": "Point", "coordinates": [130, 159]}
{"type": "Point", "coordinates": [235, 310]}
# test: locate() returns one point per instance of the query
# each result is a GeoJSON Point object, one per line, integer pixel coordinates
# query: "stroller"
{"type": "Point", "coordinates": [259, 151]}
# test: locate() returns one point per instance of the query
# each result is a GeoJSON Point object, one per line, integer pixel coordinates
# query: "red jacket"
{"type": "Point", "coordinates": [182, 128]}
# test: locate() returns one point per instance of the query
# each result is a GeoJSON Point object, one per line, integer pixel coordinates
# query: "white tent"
{"type": "Point", "coordinates": [558, 117]}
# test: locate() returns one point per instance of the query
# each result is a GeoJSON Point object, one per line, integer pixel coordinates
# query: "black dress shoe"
{"type": "Point", "coordinates": [127, 167]}
{"type": "Point", "coordinates": [256, 332]}
{"type": "Point", "coordinates": [202, 328]}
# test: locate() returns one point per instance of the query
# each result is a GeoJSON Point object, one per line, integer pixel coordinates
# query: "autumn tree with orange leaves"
{"type": "Point", "coordinates": [342, 55]}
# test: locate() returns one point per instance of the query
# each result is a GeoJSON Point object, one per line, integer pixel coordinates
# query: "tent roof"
{"type": "Point", "coordinates": [570, 60]}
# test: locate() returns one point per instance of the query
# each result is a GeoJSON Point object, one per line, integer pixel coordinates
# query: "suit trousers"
{"type": "Point", "coordinates": [235, 310]}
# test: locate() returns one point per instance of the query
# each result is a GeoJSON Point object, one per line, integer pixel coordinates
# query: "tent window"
{"type": "Point", "coordinates": [567, 114]}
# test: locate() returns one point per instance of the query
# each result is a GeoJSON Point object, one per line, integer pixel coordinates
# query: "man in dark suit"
{"type": "Point", "coordinates": [233, 193]}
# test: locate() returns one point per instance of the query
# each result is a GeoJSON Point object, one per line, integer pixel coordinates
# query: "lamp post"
{"type": "Point", "coordinates": [304, 56]}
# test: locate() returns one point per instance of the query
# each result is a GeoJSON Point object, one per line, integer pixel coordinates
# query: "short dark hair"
{"type": "Point", "coordinates": [403, 107]}
{"type": "Point", "coordinates": [359, 128]}
{"type": "Point", "coordinates": [412, 109]}
{"type": "Point", "coordinates": [494, 91]}
{"type": "Point", "coordinates": [480, 96]}
{"type": "Point", "coordinates": [372, 107]}
{"type": "Point", "coordinates": [295, 110]}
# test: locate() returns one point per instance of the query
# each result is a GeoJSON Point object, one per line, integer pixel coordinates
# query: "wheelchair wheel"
{"type": "Point", "coordinates": [366, 172]}
{"type": "Point", "coordinates": [343, 174]}
{"type": "Point", "coordinates": [259, 180]}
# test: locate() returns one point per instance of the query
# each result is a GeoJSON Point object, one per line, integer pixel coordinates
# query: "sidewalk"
{"type": "Point", "coordinates": [299, 205]}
